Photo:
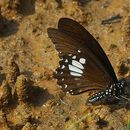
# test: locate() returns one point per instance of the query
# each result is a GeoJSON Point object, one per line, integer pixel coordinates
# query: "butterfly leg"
{"type": "Point", "coordinates": [122, 100]}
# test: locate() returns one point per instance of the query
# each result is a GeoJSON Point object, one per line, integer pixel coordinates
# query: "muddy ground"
{"type": "Point", "coordinates": [30, 98]}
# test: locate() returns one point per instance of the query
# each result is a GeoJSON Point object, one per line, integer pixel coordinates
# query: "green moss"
{"type": "Point", "coordinates": [128, 126]}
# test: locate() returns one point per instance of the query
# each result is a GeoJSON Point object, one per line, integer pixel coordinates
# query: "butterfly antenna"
{"type": "Point", "coordinates": [125, 98]}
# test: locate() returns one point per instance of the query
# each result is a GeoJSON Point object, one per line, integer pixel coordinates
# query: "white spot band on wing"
{"type": "Point", "coordinates": [75, 69]}
{"type": "Point", "coordinates": [75, 74]}
{"type": "Point", "coordinates": [77, 64]}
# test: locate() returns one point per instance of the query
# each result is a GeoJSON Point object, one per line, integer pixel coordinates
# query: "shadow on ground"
{"type": "Point", "coordinates": [38, 96]}
{"type": "Point", "coordinates": [7, 27]}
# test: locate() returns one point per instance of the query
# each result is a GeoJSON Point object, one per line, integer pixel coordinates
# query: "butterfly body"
{"type": "Point", "coordinates": [83, 64]}
{"type": "Point", "coordinates": [113, 91]}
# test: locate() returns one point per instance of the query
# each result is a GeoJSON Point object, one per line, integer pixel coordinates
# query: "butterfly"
{"type": "Point", "coordinates": [84, 65]}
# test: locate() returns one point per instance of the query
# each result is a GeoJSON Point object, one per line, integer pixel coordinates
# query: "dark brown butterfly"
{"type": "Point", "coordinates": [84, 65]}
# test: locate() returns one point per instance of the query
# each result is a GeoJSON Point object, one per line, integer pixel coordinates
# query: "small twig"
{"type": "Point", "coordinates": [112, 19]}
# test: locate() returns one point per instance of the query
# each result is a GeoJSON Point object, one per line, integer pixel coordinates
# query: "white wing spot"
{"type": "Point", "coordinates": [75, 69]}
{"type": "Point", "coordinates": [66, 61]}
{"type": "Point", "coordinates": [102, 92]}
{"type": "Point", "coordinates": [61, 59]}
{"type": "Point", "coordinates": [62, 67]}
{"type": "Point", "coordinates": [74, 57]}
{"type": "Point", "coordinates": [61, 72]}
{"type": "Point", "coordinates": [70, 54]}
{"type": "Point", "coordinates": [111, 87]}
{"type": "Point", "coordinates": [106, 93]}
{"type": "Point", "coordinates": [82, 60]}
{"type": "Point", "coordinates": [66, 85]}
{"type": "Point", "coordinates": [109, 90]}
{"type": "Point", "coordinates": [77, 64]}
{"type": "Point", "coordinates": [77, 78]}
{"type": "Point", "coordinates": [60, 86]}
{"type": "Point", "coordinates": [75, 74]}
{"type": "Point", "coordinates": [79, 51]}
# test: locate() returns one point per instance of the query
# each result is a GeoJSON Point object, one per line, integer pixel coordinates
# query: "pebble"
{"type": "Point", "coordinates": [21, 86]}
{"type": "Point", "coordinates": [5, 94]}
{"type": "Point", "coordinates": [11, 71]}
{"type": "Point", "coordinates": [29, 126]}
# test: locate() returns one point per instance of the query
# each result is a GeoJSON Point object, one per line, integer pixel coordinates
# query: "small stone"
{"type": "Point", "coordinates": [39, 128]}
{"type": "Point", "coordinates": [3, 121]}
{"type": "Point", "coordinates": [21, 86]}
{"type": "Point", "coordinates": [101, 123]}
{"type": "Point", "coordinates": [106, 4]}
{"type": "Point", "coordinates": [5, 94]}
{"type": "Point", "coordinates": [11, 71]}
{"type": "Point", "coordinates": [110, 29]}
{"type": "Point", "coordinates": [29, 126]}
{"type": "Point", "coordinates": [66, 118]}
{"type": "Point", "coordinates": [123, 67]}
{"type": "Point", "coordinates": [37, 75]}
{"type": "Point", "coordinates": [112, 46]}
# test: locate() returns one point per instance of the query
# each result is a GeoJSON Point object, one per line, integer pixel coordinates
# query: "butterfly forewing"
{"type": "Point", "coordinates": [80, 70]}
{"type": "Point", "coordinates": [78, 32]}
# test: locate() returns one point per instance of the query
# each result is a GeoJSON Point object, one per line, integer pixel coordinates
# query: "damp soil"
{"type": "Point", "coordinates": [30, 98]}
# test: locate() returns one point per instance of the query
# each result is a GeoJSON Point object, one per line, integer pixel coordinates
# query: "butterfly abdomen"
{"type": "Point", "coordinates": [113, 91]}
